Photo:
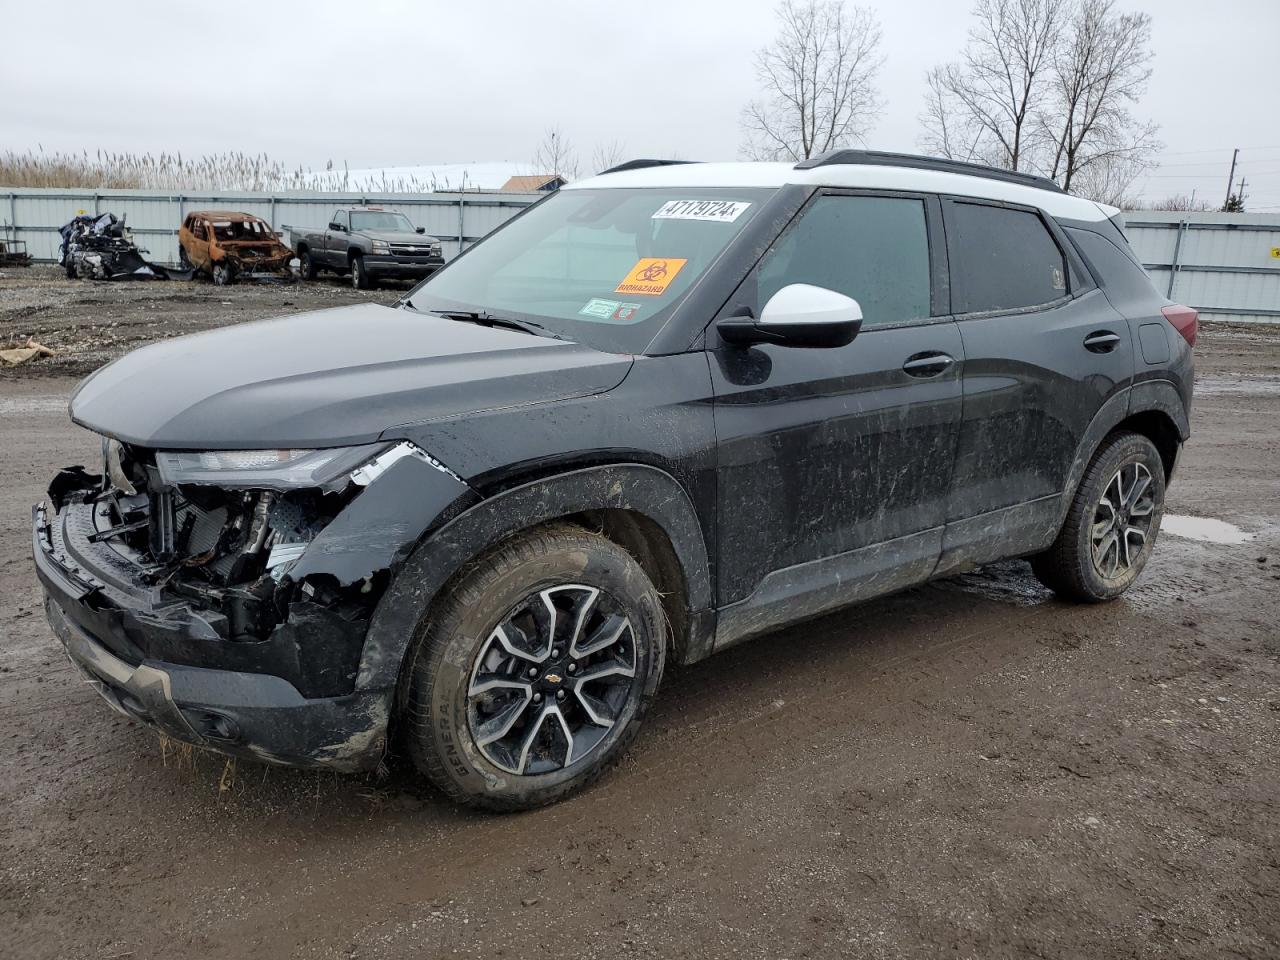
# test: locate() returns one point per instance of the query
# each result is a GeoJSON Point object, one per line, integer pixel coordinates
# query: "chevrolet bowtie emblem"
{"type": "Point", "coordinates": [553, 678]}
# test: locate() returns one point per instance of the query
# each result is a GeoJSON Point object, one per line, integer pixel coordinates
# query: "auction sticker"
{"type": "Point", "coordinates": [604, 309]}
{"type": "Point", "coordinates": [650, 277]}
{"type": "Point", "coordinates": [715, 211]}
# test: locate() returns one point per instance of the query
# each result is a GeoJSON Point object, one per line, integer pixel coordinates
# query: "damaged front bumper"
{"type": "Point", "coordinates": [198, 665]}
{"type": "Point", "coordinates": [106, 629]}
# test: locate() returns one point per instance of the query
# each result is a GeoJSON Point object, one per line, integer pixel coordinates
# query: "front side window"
{"type": "Point", "coordinates": [1002, 259]}
{"type": "Point", "coordinates": [603, 267]}
{"type": "Point", "coordinates": [340, 218]}
{"type": "Point", "coordinates": [874, 249]}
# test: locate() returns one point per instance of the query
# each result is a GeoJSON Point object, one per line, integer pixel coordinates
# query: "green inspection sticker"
{"type": "Point", "coordinates": [599, 308]}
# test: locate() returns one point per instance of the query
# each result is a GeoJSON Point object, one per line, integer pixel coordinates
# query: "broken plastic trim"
{"type": "Point", "coordinates": [365, 475]}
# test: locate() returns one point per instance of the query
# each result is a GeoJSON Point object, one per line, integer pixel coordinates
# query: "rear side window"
{"type": "Point", "coordinates": [1002, 259]}
{"type": "Point", "coordinates": [1117, 270]}
{"type": "Point", "coordinates": [874, 249]}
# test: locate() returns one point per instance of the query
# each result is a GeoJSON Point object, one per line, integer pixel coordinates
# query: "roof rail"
{"type": "Point", "coordinates": [880, 158]}
{"type": "Point", "coordinates": [641, 164]}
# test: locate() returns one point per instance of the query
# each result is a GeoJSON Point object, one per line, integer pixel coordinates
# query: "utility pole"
{"type": "Point", "coordinates": [1231, 177]}
{"type": "Point", "coordinates": [1240, 195]}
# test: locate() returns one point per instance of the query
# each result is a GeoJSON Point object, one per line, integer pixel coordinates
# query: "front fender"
{"type": "Point", "coordinates": [635, 487]}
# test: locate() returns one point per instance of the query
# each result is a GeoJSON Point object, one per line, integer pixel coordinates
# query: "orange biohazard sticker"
{"type": "Point", "coordinates": [650, 277]}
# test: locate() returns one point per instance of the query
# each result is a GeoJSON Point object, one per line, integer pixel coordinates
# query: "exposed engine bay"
{"type": "Point", "coordinates": [221, 557]}
{"type": "Point", "coordinates": [102, 248]}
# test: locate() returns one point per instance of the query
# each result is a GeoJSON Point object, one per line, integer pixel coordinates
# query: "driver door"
{"type": "Point", "coordinates": [835, 463]}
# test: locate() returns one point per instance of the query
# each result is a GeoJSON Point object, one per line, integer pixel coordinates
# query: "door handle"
{"type": "Point", "coordinates": [928, 364]}
{"type": "Point", "coordinates": [1101, 341]}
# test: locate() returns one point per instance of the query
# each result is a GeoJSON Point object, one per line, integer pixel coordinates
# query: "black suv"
{"type": "Point", "coordinates": [659, 412]}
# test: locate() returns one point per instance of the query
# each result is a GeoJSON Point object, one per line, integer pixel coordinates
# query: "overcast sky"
{"type": "Point", "coordinates": [399, 83]}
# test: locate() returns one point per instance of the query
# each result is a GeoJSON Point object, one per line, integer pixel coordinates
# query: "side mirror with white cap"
{"type": "Point", "coordinates": [798, 315]}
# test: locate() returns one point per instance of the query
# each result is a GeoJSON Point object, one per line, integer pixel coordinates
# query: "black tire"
{"type": "Point", "coordinates": [443, 708]}
{"type": "Point", "coordinates": [1071, 567]}
{"type": "Point", "coordinates": [306, 266]}
{"type": "Point", "coordinates": [359, 275]}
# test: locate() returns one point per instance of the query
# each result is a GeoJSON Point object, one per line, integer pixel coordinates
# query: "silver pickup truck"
{"type": "Point", "coordinates": [368, 244]}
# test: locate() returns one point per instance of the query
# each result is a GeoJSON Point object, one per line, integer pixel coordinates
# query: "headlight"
{"type": "Point", "coordinates": [381, 246]}
{"type": "Point", "coordinates": [263, 469]}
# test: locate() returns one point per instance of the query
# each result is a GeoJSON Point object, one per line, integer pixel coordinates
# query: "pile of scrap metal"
{"type": "Point", "coordinates": [13, 253]}
{"type": "Point", "coordinates": [101, 247]}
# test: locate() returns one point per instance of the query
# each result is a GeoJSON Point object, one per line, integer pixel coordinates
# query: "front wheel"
{"type": "Point", "coordinates": [223, 274]}
{"type": "Point", "coordinates": [535, 672]}
{"type": "Point", "coordinates": [359, 275]}
{"type": "Point", "coordinates": [1112, 525]}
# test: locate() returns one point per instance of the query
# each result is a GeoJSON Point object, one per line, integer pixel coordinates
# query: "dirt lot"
{"type": "Point", "coordinates": [969, 769]}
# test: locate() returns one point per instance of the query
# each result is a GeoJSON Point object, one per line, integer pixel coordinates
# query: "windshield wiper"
{"type": "Point", "coordinates": [490, 320]}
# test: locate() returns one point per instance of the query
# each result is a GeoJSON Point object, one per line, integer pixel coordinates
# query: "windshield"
{"type": "Point", "coordinates": [380, 220]}
{"type": "Point", "coordinates": [241, 230]}
{"type": "Point", "coordinates": [601, 267]}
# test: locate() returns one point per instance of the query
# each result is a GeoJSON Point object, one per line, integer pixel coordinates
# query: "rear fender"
{"type": "Point", "coordinates": [1160, 396]}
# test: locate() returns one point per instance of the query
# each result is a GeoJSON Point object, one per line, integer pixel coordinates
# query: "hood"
{"type": "Point", "coordinates": [328, 378]}
{"type": "Point", "coordinates": [398, 236]}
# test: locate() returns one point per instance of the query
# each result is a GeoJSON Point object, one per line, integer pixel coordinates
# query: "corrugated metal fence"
{"type": "Point", "coordinates": [34, 215]}
{"type": "Point", "coordinates": [1226, 265]}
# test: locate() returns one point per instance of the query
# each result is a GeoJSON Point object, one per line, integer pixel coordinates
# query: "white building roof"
{"type": "Point", "coordinates": [860, 175]}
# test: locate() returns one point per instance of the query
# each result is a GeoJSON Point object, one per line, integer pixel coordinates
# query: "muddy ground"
{"type": "Point", "coordinates": [967, 769]}
{"type": "Point", "coordinates": [86, 323]}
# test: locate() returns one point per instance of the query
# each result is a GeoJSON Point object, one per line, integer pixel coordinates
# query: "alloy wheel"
{"type": "Point", "coordinates": [1122, 520]}
{"type": "Point", "coordinates": [551, 680]}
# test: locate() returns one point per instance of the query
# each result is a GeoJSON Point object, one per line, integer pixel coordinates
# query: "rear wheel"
{"type": "Point", "coordinates": [535, 672]}
{"type": "Point", "coordinates": [1112, 525]}
{"type": "Point", "coordinates": [306, 266]}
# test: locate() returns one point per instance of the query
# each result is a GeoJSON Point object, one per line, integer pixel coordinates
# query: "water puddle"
{"type": "Point", "coordinates": [1219, 386]}
{"type": "Point", "coordinates": [1204, 529]}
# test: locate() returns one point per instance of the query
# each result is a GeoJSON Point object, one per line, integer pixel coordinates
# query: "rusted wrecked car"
{"type": "Point", "coordinates": [228, 247]}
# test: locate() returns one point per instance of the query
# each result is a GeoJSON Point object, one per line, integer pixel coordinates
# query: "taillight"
{"type": "Point", "coordinates": [1185, 320]}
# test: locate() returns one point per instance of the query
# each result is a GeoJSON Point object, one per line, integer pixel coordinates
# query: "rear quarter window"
{"type": "Point", "coordinates": [1116, 268]}
{"type": "Point", "coordinates": [1002, 259]}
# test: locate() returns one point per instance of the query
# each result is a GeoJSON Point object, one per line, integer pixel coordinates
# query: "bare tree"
{"type": "Point", "coordinates": [1100, 69]}
{"type": "Point", "coordinates": [985, 106]}
{"type": "Point", "coordinates": [818, 81]}
{"type": "Point", "coordinates": [1046, 86]}
{"type": "Point", "coordinates": [607, 155]}
{"type": "Point", "coordinates": [556, 155]}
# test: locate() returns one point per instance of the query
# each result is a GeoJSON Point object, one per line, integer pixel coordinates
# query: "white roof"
{"type": "Point", "coordinates": [866, 176]}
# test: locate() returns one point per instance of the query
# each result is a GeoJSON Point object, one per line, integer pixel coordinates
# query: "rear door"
{"type": "Point", "coordinates": [835, 463]}
{"type": "Point", "coordinates": [1043, 350]}
{"type": "Point", "coordinates": [199, 252]}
